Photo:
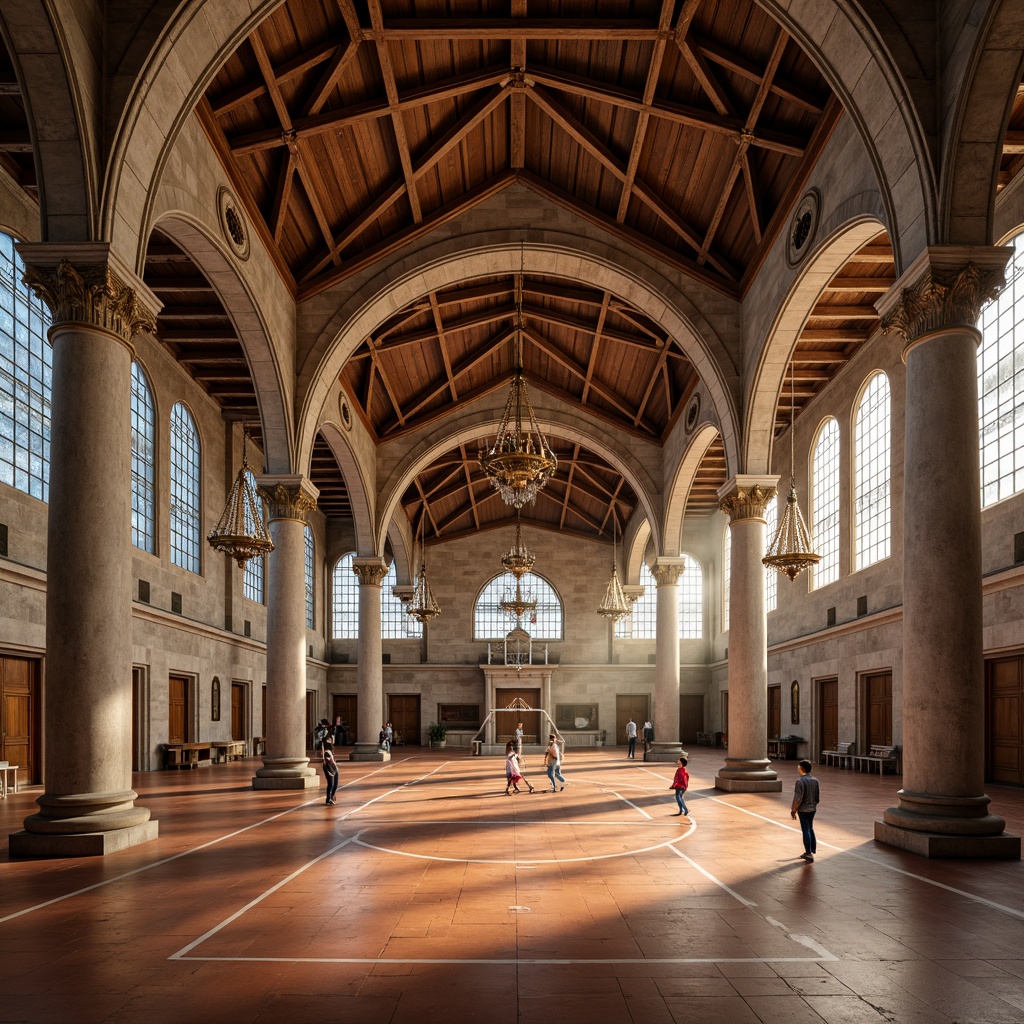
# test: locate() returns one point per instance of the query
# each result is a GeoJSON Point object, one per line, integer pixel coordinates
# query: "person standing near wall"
{"type": "Point", "coordinates": [648, 737]}
{"type": "Point", "coordinates": [517, 742]}
{"type": "Point", "coordinates": [806, 794]}
{"type": "Point", "coordinates": [330, 771]}
{"type": "Point", "coordinates": [631, 738]}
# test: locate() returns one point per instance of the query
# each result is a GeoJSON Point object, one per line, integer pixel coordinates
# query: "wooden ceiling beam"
{"type": "Point", "coordinates": [211, 354]}
{"type": "Point", "coordinates": [875, 285]}
{"type": "Point", "coordinates": [823, 311]}
{"type": "Point", "coordinates": [595, 347]}
{"type": "Point", "coordinates": [198, 283]}
{"type": "Point", "coordinates": [436, 30]}
{"type": "Point", "coordinates": [340, 60]}
{"type": "Point", "coordinates": [207, 312]}
{"type": "Point", "coordinates": [753, 197]}
{"type": "Point", "coordinates": [568, 487]}
{"type": "Point", "coordinates": [198, 335]}
{"type": "Point", "coordinates": [1013, 143]}
{"type": "Point", "coordinates": [283, 194]}
{"type": "Point", "coordinates": [392, 397]}
{"type": "Point", "coordinates": [833, 334]}
{"type": "Point", "coordinates": [550, 316]}
{"type": "Point", "coordinates": [439, 324]}
{"type": "Point", "coordinates": [517, 101]}
{"type": "Point", "coordinates": [310, 186]}
{"type": "Point", "coordinates": [811, 357]}
{"type": "Point", "coordinates": [460, 130]}
{"type": "Point", "coordinates": [427, 335]}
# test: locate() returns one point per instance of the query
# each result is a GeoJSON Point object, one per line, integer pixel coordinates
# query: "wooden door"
{"type": "Point", "coordinates": [311, 717]}
{"type": "Point", "coordinates": [178, 716]}
{"type": "Point", "coordinates": [631, 705]}
{"type": "Point", "coordinates": [404, 716]}
{"type": "Point", "coordinates": [828, 714]}
{"type": "Point", "coordinates": [774, 712]}
{"type": "Point", "coordinates": [346, 707]}
{"type": "Point", "coordinates": [877, 710]}
{"type": "Point", "coordinates": [19, 713]}
{"type": "Point", "coordinates": [691, 716]}
{"type": "Point", "coordinates": [1004, 718]}
{"type": "Point", "coordinates": [138, 688]}
{"type": "Point", "coordinates": [238, 729]}
{"type": "Point", "coordinates": [505, 721]}
{"type": "Point", "coordinates": [725, 717]}
{"type": "Point", "coordinates": [263, 713]}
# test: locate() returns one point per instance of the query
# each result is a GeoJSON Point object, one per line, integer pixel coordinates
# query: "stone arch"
{"type": "Point", "coordinates": [56, 102]}
{"type": "Point", "coordinates": [974, 142]}
{"type": "Point", "coordinates": [769, 375]}
{"type": "Point", "coordinates": [471, 426]}
{"type": "Point", "coordinates": [360, 491]}
{"type": "Point", "coordinates": [851, 53]}
{"type": "Point", "coordinates": [637, 536]}
{"type": "Point", "coordinates": [241, 306]}
{"type": "Point", "coordinates": [446, 264]}
{"type": "Point", "coordinates": [678, 488]}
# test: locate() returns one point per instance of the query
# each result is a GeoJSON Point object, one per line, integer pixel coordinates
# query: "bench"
{"type": "Point", "coordinates": [225, 750]}
{"type": "Point", "coordinates": [842, 756]}
{"type": "Point", "coordinates": [186, 755]}
{"type": "Point", "coordinates": [705, 739]}
{"type": "Point", "coordinates": [7, 773]}
{"type": "Point", "coordinates": [882, 756]}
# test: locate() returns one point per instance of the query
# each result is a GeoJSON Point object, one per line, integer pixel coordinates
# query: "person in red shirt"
{"type": "Point", "coordinates": [680, 784]}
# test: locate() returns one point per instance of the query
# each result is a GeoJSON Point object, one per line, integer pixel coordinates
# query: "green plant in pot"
{"type": "Point", "coordinates": [437, 733]}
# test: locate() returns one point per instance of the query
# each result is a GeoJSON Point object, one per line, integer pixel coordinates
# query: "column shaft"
{"type": "Point", "coordinates": [665, 719]}
{"type": "Point", "coordinates": [369, 672]}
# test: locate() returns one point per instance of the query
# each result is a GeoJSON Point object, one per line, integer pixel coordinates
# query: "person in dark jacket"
{"type": "Point", "coordinates": [330, 771]}
{"type": "Point", "coordinates": [806, 794]}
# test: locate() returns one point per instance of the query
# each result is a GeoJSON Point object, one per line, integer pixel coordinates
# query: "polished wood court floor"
{"type": "Point", "coordinates": [427, 895]}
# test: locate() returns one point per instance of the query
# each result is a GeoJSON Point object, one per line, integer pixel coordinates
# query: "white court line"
{"type": "Point", "coordinates": [524, 962]}
{"type": "Point", "coordinates": [178, 856]}
{"type": "Point", "coordinates": [707, 874]}
{"type": "Point", "coordinates": [874, 861]}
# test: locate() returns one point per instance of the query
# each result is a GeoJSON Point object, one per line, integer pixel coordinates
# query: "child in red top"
{"type": "Point", "coordinates": [680, 784]}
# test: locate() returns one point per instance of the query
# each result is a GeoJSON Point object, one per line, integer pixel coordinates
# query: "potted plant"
{"type": "Point", "coordinates": [437, 733]}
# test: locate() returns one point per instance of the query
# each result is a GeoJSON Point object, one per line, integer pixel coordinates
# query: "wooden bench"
{"type": "Point", "coordinates": [225, 750]}
{"type": "Point", "coordinates": [882, 756]}
{"type": "Point", "coordinates": [186, 755]}
{"type": "Point", "coordinates": [842, 756]}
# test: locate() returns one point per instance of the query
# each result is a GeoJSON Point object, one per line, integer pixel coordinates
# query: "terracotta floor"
{"type": "Point", "coordinates": [427, 895]}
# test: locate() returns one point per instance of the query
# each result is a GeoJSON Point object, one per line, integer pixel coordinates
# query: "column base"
{"type": "Point", "coordinates": [747, 775]}
{"type": "Point", "coordinates": [931, 844]}
{"type": "Point", "coordinates": [84, 844]}
{"type": "Point", "coordinates": [286, 773]}
{"type": "Point", "coordinates": [369, 752]}
{"type": "Point", "coordinates": [670, 752]}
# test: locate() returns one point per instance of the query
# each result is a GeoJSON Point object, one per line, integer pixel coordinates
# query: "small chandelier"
{"type": "Point", "coordinates": [519, 604]}
{"type": "Point", "coordinates": [241, 532]}
{"type": "Point", "coordinates": [520, 462]}
{"type": "Point", "coordinates": [615, 605]}
{"type": "Point", "coordinates": [790, 549]}
{"type": "Point", "coordinates": [519, 559]}
{"type": "Point", "coordinates": [423, 607]}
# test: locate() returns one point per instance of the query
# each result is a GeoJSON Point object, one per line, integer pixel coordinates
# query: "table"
{"type": "Point", "coordinates": [4, 779]}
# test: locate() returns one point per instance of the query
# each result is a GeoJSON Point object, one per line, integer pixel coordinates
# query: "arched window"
{"type": "Point", "coordinates": [825, 503]}
{"type": "Point", "coordinates": [491, 622]}
{"type": "Point", "coordinates": [186, 474]}
{"type": "Point", "coordinates": [691, 600]}
{"type": "Point", "coordinates": [26, 361]}
{"type": "Point", "coordinates": [143, 428]}
{"type": "Point", "coordinates": [345, 600]}
{"type": "Point", "coordinates": [1001, 386]}
{"type": "Point", "coordinates": [309, 577]}
{"type": "Point", "coordinates": [771, 576]}
{"type": "Point", "coordinates": [871, 474]}
{"type": "Point", "coordinates": [641, 623]}
{"type": "Point", "coordinates": [395, 622]}
{"type": "Point", "coordinates": [726, 577]}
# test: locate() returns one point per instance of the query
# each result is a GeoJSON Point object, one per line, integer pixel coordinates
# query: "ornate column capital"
{"type": "Point", "coordinates": [633, 592]}
{"type": "Point", "coordinates": [370, 571]}
{"type": "Point", "coordinates": [945, 287]}
{"type": "Point", "coordinates": [287, 497]}
{"type": "Point", "coordinates": [746, 497]}
{"type": "Point", "coordinates": [666, 571]}
{"type": "Point", "coordinates": [404, 592]}
{"type": "Point", "coordinates": [90, 285]}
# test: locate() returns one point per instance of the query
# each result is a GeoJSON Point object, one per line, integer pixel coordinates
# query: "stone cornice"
{"type": "Point", "coordinates": [287, 497]}
{"type": "Point", "coordinates": [746, 497]}
{"type": "Point", "coordinates": [369, 571]}
{"type": "Point", "coordinates": [944, 288]}
{"type": "Point", "coordinates": [88, 285]}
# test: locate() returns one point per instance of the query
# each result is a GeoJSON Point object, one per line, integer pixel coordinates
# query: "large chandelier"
{"type": "Point", "coordinates": [520, 462]}
{"type": "Point", "coordinates": [615, 605]}
{"type": "Point", "coordinates": [790, 549]}
{"type": "Point", "coordinates": [241, 532]}
{"type": "Point", "coordinates": [519, 559]}
{"type": "Point", "coordinates": [423, 606]}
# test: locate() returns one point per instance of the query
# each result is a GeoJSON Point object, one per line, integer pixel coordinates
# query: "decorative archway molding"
{"type": "Point", "coordinates": [678, 488]}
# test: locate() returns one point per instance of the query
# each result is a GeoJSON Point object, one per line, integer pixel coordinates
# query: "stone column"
{"type": "Point", "coordinates": [666, 747]}
{"type": "Point", "coordinates": [369, 675]}
{"type": "Point", "coordinates": [88, 807]}
{"type": "Point", "coordinates": [943, 810]}
{"type": "Point", "coordinates": [289, 499]}
{"type": "Point", "coordinates": [747, 768]}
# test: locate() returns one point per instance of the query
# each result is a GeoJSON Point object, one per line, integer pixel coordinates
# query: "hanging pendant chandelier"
{"type": "Point", "coordinates": [520, 462]}
{"type": "Point", "coordinates": [519, 559]}
{"type": "Point", "coordinates": [790, 550]}
{"type": "Point", "coordinates": [241, 531]}
{"type": "Point", "coordinates": [520, 603]}
{"type": "Point", "coordinates": [615, 604]}
{"type": "Point", "coordinates": [423, 607]}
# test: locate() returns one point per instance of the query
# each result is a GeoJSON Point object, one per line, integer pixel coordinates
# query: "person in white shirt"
{"type": "Point", "coordinates": [631, 738]}
{"type": "Point", "coordinates": [553, 763]}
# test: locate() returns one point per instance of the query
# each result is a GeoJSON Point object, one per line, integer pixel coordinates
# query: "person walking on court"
{"type": "Point", "coordinates": [330, 771]}
{"type": "Point", "coordinates": [631, 738]}
{"type": "Point", "coordinates": [806, 794]}
{"type": "Point", "coordinates": [648, 737]}
{"type": "Point", "coordinates": [513, 770]}
{"type": "Point", "coordinates": [518, 741]}
{"type": "Point", "coordinates": [553, 764]}
{"type": "Point", "coordinates": [680, 784]}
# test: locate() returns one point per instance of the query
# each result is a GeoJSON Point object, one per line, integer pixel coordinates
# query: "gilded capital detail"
{"type": "Point", "coordinates": [747, 502]}
{"type": "Point", "coordinates": [91, 294]}
{"type": "Point", "coordinates": [943, 298]}
{"type": "Point", "coordinates": [369, 573]}
{"type": "Point", "coordinates": [667, 573]}
{"type": "Point", "coordinates": [287, 502]}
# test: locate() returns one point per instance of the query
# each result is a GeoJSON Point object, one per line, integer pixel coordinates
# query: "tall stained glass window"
{"type": "Point", "coordinates": [186, 474]}
{"type": "Point", "coordinates": [871, 474]}
{"type": "Point", "coordinates": [825, 503]}
{"type": "Point", "coordinates": [143, 427]}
